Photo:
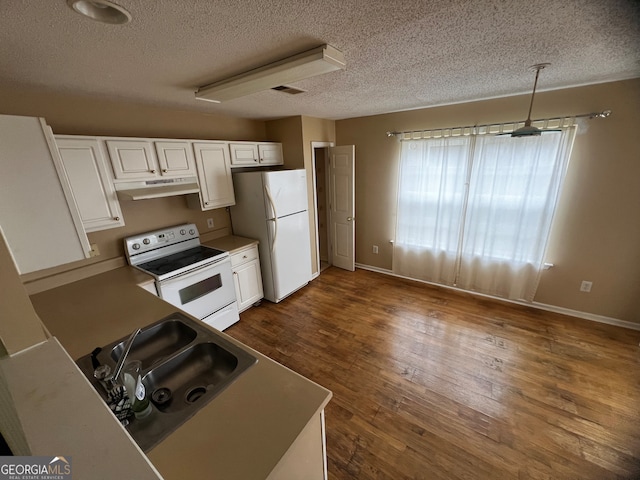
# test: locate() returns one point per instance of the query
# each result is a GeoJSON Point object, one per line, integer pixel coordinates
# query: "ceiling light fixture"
{"type": "Point", "coordinates": [101, 11]}
{"type": "Point", "coordinates": [320, 60]}
{"type": "Point", "coordinates": [529, 130]}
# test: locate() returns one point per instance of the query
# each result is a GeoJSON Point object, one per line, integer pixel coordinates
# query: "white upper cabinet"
{"type": "Point", "coordinates": [38, 214]}
{"type": "Point", "coordinates": [255, 154]}
{"type": "Point", "coordinates": [88, 172]}
{"type": "Point", "coordinates": [175, 158]}
{"type": "Point", "coordinates": [132, 159]}
{"type": "Point", "coordinates": [214, 174]}
{"type": "Point", "coordinates": [270, 153]}
{"type": "Point", "coordinates": [147, 159]}
{"type": "Point", "coordinates": [244, 154]}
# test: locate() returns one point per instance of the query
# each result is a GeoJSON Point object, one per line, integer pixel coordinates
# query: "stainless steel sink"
{"type": "Point", "coordinates": [191, 376]}
{"type": "Point", "coordinates": [156, 343]}
{"type": "Point", "coordinates": [185, 365]}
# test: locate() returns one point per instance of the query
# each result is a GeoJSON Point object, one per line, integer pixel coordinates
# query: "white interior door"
{"type": "Point", "coordinates": [342, 206]}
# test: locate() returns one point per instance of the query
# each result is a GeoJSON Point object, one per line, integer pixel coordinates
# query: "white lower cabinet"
{"type": "Point", "coordinates": [247, 277]}
{"type": "Point", "coordinates": [89, 174]}
{"type": "Point", "coordinates": [307, 456]}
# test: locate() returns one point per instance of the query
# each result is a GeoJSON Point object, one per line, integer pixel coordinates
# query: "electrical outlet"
{"type": "Point", "coordinates": [95, 251]}
{"type": "Point", "coordinates": [375, 249]}
{"type": "Point", "coordinates": [210, 222]}
{"type": "Point", "coordinates": [585, 286]}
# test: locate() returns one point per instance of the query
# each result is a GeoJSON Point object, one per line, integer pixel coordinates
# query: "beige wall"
{"type": "Point", "coordinates": [80, 115]}
{"type": "Point", "coordinates": [85, 115]}
{"type": "Point", "coordinates": [288, 131]}
{"type": "Point", "coordinates": [596, 232]}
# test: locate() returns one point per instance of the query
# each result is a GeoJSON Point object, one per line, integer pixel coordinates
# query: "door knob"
{"type": "Point", "coordinates": [350, 219]}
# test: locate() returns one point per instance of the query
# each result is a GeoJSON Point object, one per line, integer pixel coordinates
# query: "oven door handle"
{"type": "Point", "coordinates": [275, 217]}
{"type": "Point", "coordinates": [197, 270]}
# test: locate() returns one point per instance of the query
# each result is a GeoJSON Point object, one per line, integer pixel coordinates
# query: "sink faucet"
{"type": "Point", "coordinates": [123, 357]}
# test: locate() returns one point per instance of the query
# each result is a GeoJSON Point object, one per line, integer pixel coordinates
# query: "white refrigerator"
{"type": "Point", "coordinates": [271, 206]}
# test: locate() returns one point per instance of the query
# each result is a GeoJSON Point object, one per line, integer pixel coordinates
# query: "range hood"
{"type": "Point", "coordinates": [165, 187]}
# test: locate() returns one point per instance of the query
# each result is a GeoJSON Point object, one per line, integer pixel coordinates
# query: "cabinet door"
{"type": "Point", "coordinates": [214, 175]}
{"type": "Point", "coordinates": [270, 153]}
{"type": "Point", "coordinates": [132, 159]}
{"type": "Point", "coordinates": [88, 173]}
{"type": "Point", "coordinates": [38, 215]}
{"type": "Point", "coordinates": [248, 283]}
{"type": "Point", "coordinates": [175, 159]}
{"type": "Point", "coordinates": [244, 154]}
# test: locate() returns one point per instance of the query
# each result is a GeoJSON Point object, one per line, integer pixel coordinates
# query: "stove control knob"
{"type": "Point", "coordinates": [146, 241]}
{"type": "Point", "coordinates": [136, 246]}
{"type": "Point", "coordinates": [183, 232]}
{"type": "Point", "coordinates": [192, 231]}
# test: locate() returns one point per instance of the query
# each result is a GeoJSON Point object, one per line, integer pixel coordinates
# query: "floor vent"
{"type": "Point", "coordinates": [287, 89]}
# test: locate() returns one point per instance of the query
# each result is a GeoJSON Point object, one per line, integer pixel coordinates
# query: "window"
{"type": "Point", "coordinates": [475, 211]}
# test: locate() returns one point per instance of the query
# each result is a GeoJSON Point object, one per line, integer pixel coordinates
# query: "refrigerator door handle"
{"type": "Point", "coordinates": [275, 232]}
{"type": "Point", "coordinates": [271, 202]}
{"type": "Point", "coordinates": [274, 219]}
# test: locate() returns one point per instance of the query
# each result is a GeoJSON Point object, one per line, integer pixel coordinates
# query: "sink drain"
{"type": "Point", "coordinates": [194, 394]}
{"type": "Point", "coordinates": [161, 396]}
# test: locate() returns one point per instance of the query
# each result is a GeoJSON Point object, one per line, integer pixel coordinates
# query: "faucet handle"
{"type": "Point", "coordinates": [102, 372]}
{"type": "Point", "coordinates": [103, 375]}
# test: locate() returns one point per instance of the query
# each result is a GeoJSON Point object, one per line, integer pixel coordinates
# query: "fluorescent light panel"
{"type": "Point", "coordinates": [307, 64]}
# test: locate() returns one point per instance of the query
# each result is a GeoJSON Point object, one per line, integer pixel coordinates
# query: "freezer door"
{"type": "Point", "coordinates": [285, 192]}
{"type": "Point", "coordinates": [290, 254]}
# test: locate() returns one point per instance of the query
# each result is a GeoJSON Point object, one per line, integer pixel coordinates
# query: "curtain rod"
{"type": "Point", "coordinates": [602, 114]}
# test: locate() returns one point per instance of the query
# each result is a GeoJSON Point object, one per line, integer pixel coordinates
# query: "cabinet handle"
{"type": "Point", "coordinates": [117, 219]}
{"type": "Point", "coordinates": [244, 256]}
{"type": "Point", "coordinates": [207, 203]}
{"type": "Point", "coordinates": [165, 170]}
{"type": "Point", "coordinates": [153, 171]}
{"type": "Point", "coordinates": [255, 159]}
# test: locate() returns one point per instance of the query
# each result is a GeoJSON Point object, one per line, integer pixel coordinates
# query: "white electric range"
{"type": "Point", "coordinates": [196, 278]}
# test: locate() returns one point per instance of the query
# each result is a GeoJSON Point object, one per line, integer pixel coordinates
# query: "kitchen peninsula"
{"type": "Point", "coordinates": [268, 424]}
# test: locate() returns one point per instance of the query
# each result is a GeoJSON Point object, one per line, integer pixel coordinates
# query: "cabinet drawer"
{"type": "Point", "coordinates": [244, 256]}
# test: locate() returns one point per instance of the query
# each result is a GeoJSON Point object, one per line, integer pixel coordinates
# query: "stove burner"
{"type": "Point", "coordinates": [170, 263]}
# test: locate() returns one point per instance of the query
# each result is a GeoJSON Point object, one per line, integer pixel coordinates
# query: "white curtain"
{"type": "Point", "coordinates": [476, 211]}
{"type": "Point", "coordinates": [432, 194]}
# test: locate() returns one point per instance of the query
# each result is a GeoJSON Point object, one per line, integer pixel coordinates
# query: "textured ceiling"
{"type": "Point", "coordinates": [400, 54]}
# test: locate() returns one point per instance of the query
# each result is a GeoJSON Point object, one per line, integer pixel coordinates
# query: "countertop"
{"type": "Point", "coordinates": [60, 413]}
{"type": "Point", "coordinates": [241, 434]}
{"type": "Point", "coordinates": [231, 243]}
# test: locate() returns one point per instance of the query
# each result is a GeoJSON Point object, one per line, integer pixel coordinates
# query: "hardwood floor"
{"type": "Point", "coordinates": [433, 384]}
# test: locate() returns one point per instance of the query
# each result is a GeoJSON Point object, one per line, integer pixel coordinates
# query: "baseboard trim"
{"type": "Point", "coordinates": [541, 306]}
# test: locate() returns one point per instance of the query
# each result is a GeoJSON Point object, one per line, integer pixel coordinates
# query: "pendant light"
{"type": "Point", "coordinates": [528, 130]}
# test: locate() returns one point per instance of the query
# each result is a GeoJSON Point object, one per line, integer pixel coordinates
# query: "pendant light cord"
{"type": "Point", "coordinates": [527, 122]}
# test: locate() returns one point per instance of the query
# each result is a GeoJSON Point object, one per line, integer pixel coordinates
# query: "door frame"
{"type": "Point", "coordinates": [315, 145]}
